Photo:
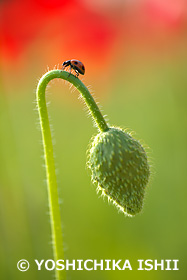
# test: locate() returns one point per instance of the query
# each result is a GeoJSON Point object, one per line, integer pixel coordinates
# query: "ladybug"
{"type": "Point", "coordinates": [75, 64]}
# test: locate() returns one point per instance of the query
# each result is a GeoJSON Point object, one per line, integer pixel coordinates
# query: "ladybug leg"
{"type": "Point", "coordinates": [69, 71]}
{"type": "Point", "coordinates": [77, 74]}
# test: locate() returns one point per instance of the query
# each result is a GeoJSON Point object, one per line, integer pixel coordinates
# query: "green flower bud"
{"type": "Point", "coordinates": [120, 168]}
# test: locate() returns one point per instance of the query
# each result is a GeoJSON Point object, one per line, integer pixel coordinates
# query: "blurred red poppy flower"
{"type": "Point", "coordinates": [74, 27]}
{"type": "Point", "coordinates": [89, 31]}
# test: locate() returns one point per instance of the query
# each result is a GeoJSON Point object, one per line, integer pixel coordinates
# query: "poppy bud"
{"type": "Point", "coordinates": [120, 168]}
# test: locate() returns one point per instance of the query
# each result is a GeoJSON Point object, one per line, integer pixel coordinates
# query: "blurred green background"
{"type": "Point", "coordinates": [140, 83]}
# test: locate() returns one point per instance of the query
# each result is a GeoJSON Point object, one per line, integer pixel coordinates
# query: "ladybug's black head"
{"type": "Point", "coordinates": [66, 63]}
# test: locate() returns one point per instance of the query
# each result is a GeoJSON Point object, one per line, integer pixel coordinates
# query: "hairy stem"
{"type": "Point", "coordinates": [48, 152]}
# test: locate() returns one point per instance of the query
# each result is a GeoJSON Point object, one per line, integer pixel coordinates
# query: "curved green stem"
{"type": "Point", "coordinates": [48, 152]}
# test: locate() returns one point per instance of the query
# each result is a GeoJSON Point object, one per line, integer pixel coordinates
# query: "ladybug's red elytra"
{"type": "Point", "coordinates": [75, 64]}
